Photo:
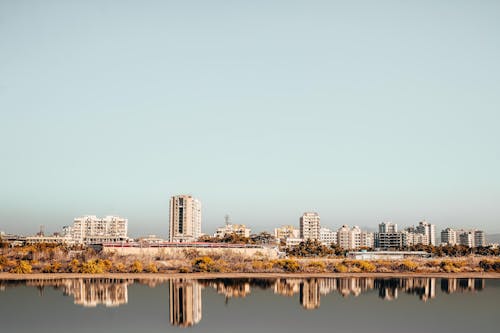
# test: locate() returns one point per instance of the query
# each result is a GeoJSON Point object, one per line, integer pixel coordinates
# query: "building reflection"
{"type": "Point", "coordinates": [89, 292]}
{"type": "Point", "coordinates": [185, 295]}
{"type": "Point", "coordinates": [185, 302]}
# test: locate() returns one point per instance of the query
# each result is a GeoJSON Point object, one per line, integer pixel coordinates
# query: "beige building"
{"type": "Point", "coordinates": [229, 229]}
{"type": "Point", "coordinates": [185, 219]}
{"type": "Point", "coordinates": [310, 226]}
{"type": "Point", "coordinates": [286, 231]}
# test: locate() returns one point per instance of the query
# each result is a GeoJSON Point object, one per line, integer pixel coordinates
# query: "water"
{"type": "Point", "coordinates": [251, 305]}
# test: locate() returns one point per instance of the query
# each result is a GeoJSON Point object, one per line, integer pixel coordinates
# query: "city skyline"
{"type": "Point", "coordinates": [362, 112]}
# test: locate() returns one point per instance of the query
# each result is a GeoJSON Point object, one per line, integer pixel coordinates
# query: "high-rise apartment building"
{"type": "Point", "coordinates": [449, 237]}
{"type": "Point", "coordinates": [310, 226]}
{"type": "Point", "coordinates": [429, 230]}
{"type": "Point", "coordinates": [387, 227]}
{"type": "Point", "coordinates": [185, 219]}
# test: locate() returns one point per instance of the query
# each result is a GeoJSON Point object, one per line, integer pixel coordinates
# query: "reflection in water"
{"type": "Point", "coordinates": [185, 302]}
{"type": "Point", "coordinates": [185, 295]}
{"type": "Point", "coordinates": [89, 292]}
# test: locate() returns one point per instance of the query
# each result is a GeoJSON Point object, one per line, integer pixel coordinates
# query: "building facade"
{"type": "Point", "coordinates": [327, 237]}
{"type": "Point", "coordinates": [229, 229]}
{"type": "Point", "coordinates": [185, 219]}
{"type": "Point", "coordinates": [286, 231]}
{"type": "Point", "coordinates": [93, 230]}
{"type": "Point", "coordinates": [429, 230]}
{"type": "Point", "coordinates": [310, 226]}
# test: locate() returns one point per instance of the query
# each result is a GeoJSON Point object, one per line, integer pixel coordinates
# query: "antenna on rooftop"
{"type": "Point", "coordinates": [42, 230]}
{"type": "Point", "coordinates": [227, 219]}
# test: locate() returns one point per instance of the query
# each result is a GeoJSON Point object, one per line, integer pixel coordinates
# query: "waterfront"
{"type": "Point", "coordinates": [286, 304]}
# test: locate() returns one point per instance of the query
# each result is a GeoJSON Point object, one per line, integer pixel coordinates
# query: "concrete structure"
{"type": "Point", "coordinates": [93, 230]}
{"type": "Point", "coordinates": [389, 255]}
{"type": "Point", "coordinates": [310, 226]}
{"type": "Point", "coordinates": [290, 242]}
{"type": "Point", "coordinates": [415, 238]}
{"type": "Point", "coordinates": [286, 231]}
{"type": "Point", "coordinates": [429, 230]}
{"type": "Point", "coordinates": [327, 237]}
{"type": "Point", "coordinates": [167, 250]}
{"type": "Point", "coordinates": [185, 219]}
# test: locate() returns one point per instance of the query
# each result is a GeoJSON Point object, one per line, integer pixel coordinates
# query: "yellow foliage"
{"type": "Point", "coordinates": [136, 267]}
{"type": "Point", "coordinates": [22, 267]}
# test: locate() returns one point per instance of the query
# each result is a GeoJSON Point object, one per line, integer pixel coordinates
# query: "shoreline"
{"type": "Point", "coordinates": [199, 276]}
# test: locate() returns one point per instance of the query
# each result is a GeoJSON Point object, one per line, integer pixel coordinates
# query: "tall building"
{"type": "Point", "coordinates": [387, 227]}
{"type": "Point", "coordinates": [310, 226]}
{"type": "Point", "coordinates": [449, 237]}
{"type": "Point", "coordinates": [429, 230]}
{"type": "Point", "coordinates": [479, 238]}
{"type": "Point", "coordinates": [92, 230]}
{"type": "Point", "coordinates": [344, 237]}
{"type": "Point", "coordinates": [185, 219]}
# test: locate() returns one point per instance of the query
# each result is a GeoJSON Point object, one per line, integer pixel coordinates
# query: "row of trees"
{"type": "Point", "coordinates": [313, 248]}
{"type": "Point", "coordinates": [261, 238]}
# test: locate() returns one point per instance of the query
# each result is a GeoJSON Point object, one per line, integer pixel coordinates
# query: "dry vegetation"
{"type": "Point", "coordinates": [60, 259]}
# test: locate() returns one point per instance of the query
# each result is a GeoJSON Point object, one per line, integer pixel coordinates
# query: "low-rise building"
{"type": "Point", "coordinates": [230, 229]}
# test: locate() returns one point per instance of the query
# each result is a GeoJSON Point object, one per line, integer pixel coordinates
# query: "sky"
{"type": "Point", "coordinates": [363, 111]}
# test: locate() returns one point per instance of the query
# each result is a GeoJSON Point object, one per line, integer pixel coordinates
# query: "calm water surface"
{"type": "Point", "coordinates": [251, 305]}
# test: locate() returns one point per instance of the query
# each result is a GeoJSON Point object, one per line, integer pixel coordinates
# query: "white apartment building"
{"type": "Point", "coordinates": [449, 237]}
{"type": "Point", "coordinates": [354, 238]}
{"type": "Point", "coordinates": [429, 230]}
{"type": "Point", "coordinates": [470, 238]}
{"type": "Point", "coordinates": [310, 226]}
{"type": "Point", "coordinates": [344, 237]}
{"type": "Point", "coordinates": [327, 237]}
{"type": "Point", "coordinates": [185, 219]}
{"type": "Point", "coordinates": [93, 230]}
{"type": "Point", "coordinates": [367, 239]}
{"type": "Point", "coordinates": [229, 229]}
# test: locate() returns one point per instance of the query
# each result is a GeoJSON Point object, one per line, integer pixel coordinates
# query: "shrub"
{"type": "Point", "coordinates": [408, 266]}
{"type": "Point", "coordinates": [316, 266]}
{"type": "Point", "coordinates": [74, 266]}
{"type": "Point", "coordinates": [22, 267]}
{"type": "Point", "coordinates": [152, 268]}
{"type": "Point", "coordinates": [288, 265]}
{"type": "Point", "coordinates": [52, 268]}
{"type": "Point", "coordinates": [341, 268]}
{"type": "Point", "coordinates": [136, 267]}
{"type": "Point", "coordinates": [120, 267]}
{"type": "Point", "coordinates": [92, 267]}
{"type": "Point", "coordinates": [364, 266]}
{"type": "Point", "coordinates": [203, 264]}
{"type": "Point", "coordinates": [184, 270]}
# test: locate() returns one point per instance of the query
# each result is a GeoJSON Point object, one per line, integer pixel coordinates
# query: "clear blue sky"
{"type": "Point", "coordinates": [363, 111]}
